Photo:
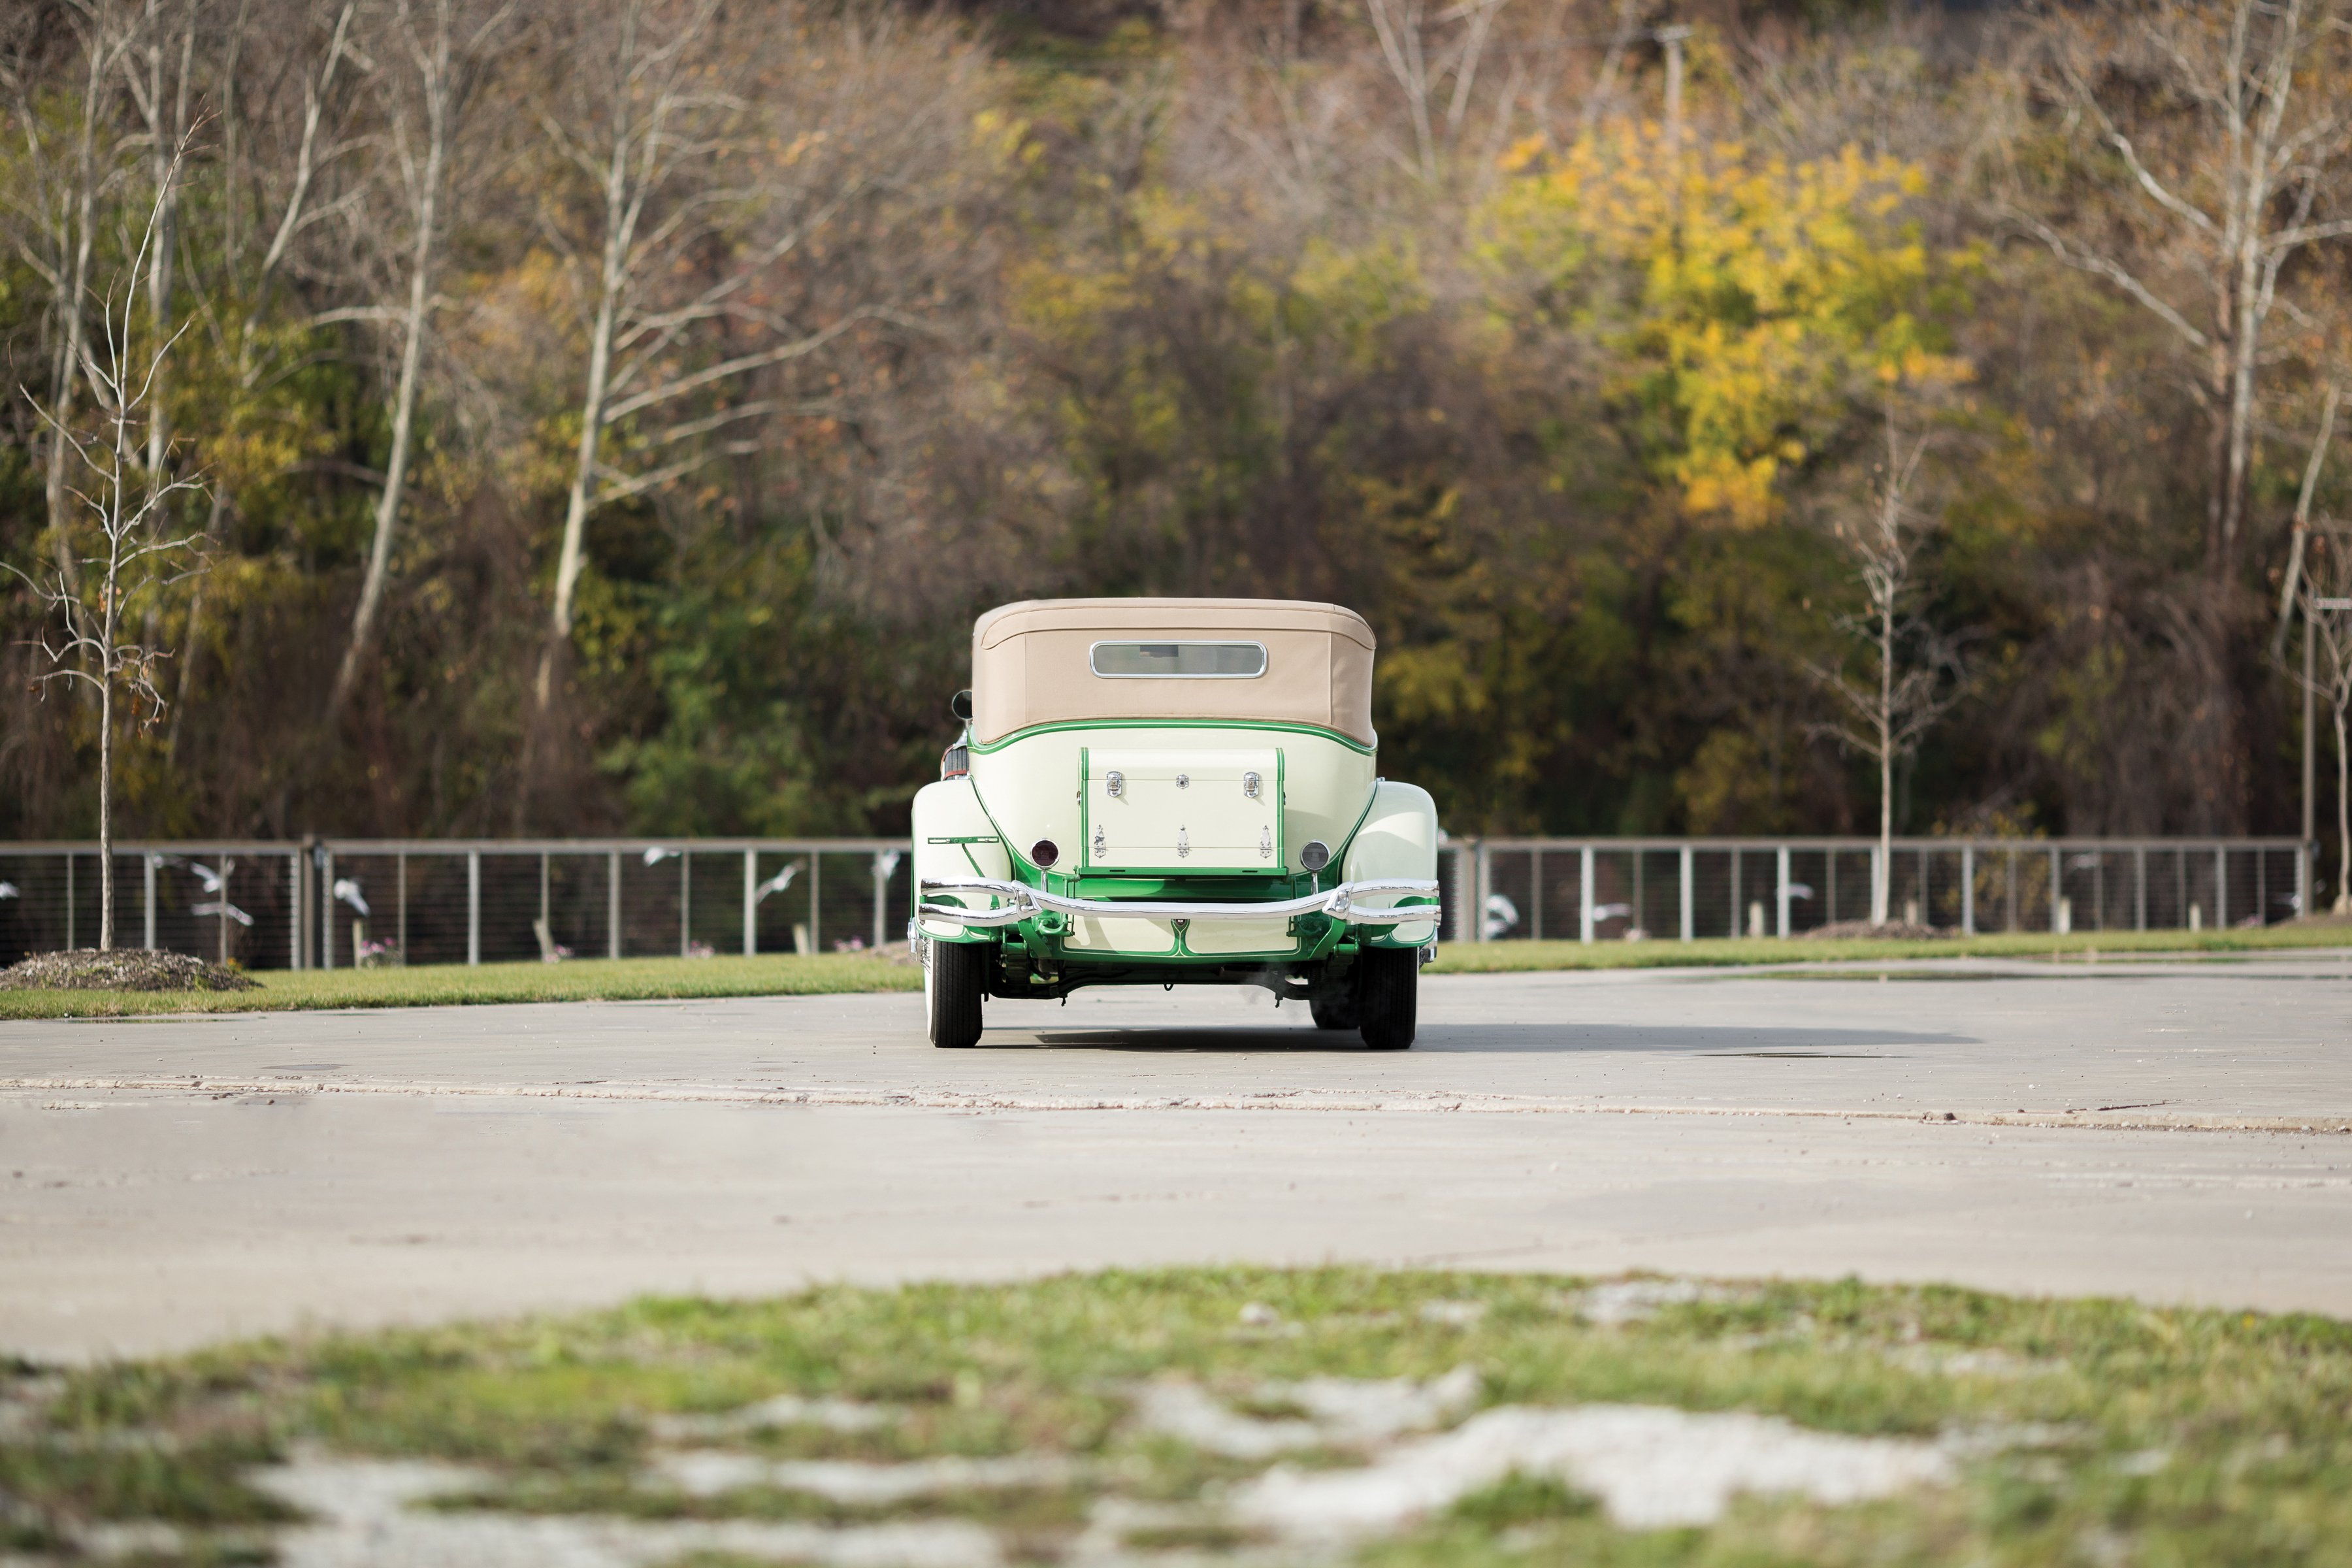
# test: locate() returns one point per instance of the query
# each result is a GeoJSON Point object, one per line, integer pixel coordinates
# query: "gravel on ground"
{"type": "Point", "coordinates": [121, 969]}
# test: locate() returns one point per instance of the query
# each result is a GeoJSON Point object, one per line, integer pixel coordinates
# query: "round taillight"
{"type": "Point", "coordinates": [1316, 854]}
{"type": "Point", "coordinates": [1045, 852]}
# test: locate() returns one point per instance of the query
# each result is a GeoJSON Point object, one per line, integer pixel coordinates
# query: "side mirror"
{"type": "Point", "coordinates": [960, 706]}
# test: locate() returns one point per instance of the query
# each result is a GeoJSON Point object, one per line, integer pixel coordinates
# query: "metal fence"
{"type": "Point", "coordinates": [1610, 890]}
{"type": "Point", "coordinates": [332, 903]}
{"type": "Point", "coordinates": [336, 903]}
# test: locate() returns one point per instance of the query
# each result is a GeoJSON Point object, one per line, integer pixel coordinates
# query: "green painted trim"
{"type": "Point", "coordinates": [1282, 810]}
{"type": "Point", "coordinates": [1340, 850]}
{"type": "Point", "coordinates": [984, 748]}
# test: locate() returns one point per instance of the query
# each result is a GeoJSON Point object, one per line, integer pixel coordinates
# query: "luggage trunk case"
{"type": "Point", "coordinates": [1167, 813]}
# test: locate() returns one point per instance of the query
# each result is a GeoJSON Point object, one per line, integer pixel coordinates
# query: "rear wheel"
{"type": "Point", "coordinates": [1387, 986]}
{"type": "Point", "coordinates": [953, 983]}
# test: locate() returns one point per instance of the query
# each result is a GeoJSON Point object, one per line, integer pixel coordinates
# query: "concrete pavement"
{"type": "Point", "coordinates": [2177, 1131]}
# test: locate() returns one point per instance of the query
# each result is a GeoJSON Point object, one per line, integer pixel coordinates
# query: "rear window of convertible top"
{"type": "Point", "coordinates": [1181, 661]}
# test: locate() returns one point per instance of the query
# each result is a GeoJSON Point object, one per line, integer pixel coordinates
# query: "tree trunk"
{"type": "Point", "coordinates": [106, 794]}
{"type": "Point", "coordinates": [2245, 340]}
{"type": "Point", "coordinates": [74, 269]}
{"type": "Point", "coordinates": [1883, 874]}
{"type": "Point", "coordinates": [2343, 820]}
{"type": "Point", "coordinates": [618, 229]}
{"type": "Point", "coordinates": [164, 152]}
{"type": "Point", "coordinates": [412, 354]}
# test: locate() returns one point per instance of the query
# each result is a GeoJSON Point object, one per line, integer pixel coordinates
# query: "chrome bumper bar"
{"type": "Point", "coordinates": [1020, 902]}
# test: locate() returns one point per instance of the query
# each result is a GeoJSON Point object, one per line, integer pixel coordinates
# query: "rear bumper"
{"type": "Point", "coordinates": [1016, 902]}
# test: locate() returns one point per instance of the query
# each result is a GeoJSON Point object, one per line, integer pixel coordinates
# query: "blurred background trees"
{"type": "Point", "coordinates": [613, 413]}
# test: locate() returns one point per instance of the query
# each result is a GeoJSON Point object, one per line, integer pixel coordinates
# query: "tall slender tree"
{"type": "Point", "coordinates": [1912, 674]}
{"type": "Point", "coordinates": [123, 517]}
{"type": "Point", "coordinates": [441, 48]}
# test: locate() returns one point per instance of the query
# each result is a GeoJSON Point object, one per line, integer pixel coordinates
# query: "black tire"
{"type": "Point", "coordinates": [1387, 983]}
{"type": "Point", "coordinates": [957, 981]}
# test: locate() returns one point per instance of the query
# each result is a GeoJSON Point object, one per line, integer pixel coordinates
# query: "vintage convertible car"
{"type": "Point", "coordinates": [1163, 792]}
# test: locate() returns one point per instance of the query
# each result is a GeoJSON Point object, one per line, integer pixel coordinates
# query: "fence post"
{"type": "Point", "coordinates": [881, 893]}
{"type": "Point", "coordinates": [473, 906]}
{"type": "Point", "coordinates": [816, 874]}
{"type": "Point", "coordinates": [751, 913]}
{"type": "Point", "coordinates": [1482, 883]}
{"type": "Point", "coordinates": [1584, 894]}
{"type": "Point", "coordinates": [2303, 854]}
{"type": "Point", "coordinates": [2139, 886]}
{"type": "Point", "coordinates": [1968, 889]}
{"type": "Point", "coordinates": [1780, 870]}
{"type": "Point", "coordinates": [400, 871]}
{"type": "Point", "coordinates": [612, 903]}
{"type": "Point", "coordinates": [1535, 890]}
{"type": "Point", "coordinates": [1690, 919]}
{"type": "Point", "coordinates": [294, 909]}
{"type": "Point", "coordinates": [327, 909]}
{"type": "Point", "coordinates": [305, 896]}
{"type": "Point", "coordinates": [2220, 887]}
{"type": "Point", "coordinates": [684, 902]}
{"type": "Point", "coordinates": [147, 893]}
{"type": "Point", "coordinates": [2057, 884]}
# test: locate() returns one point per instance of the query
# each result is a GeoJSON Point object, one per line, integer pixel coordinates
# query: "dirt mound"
{"type": "Point", "coordinates": [124, 969]}
{"type": "Point", "coordinates": [1893, 931]}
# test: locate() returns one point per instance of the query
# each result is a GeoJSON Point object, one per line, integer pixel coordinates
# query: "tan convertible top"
{"type": "Point", "coordinates": [1030, 664]}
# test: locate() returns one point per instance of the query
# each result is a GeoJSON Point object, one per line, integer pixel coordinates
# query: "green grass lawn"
{"type": "Point", "coordinates": [641, 979]}
{"type": "Point", "coordinates": [2077, 1432]}
{"type": "Point", "coordinates": [578, 979]}
{"type": "Point", "coordinates": [1493, 957]}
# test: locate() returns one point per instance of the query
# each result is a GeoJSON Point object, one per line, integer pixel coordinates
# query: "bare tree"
{"type": "Point", "coordinates": [2299, 537]}
{"type": "Point", "coordinates": [276, 162]}
{"type": "Point", "coordinates": [1913, 673]}
{"type": "Point", "coordinates": [445, 43]}
{"type": "Point", "coordinates": [2222, 132]}
{"type": "Point", "coordinates": [701, 196]}
{"type": "Point", "coordinates": [130, 507]}
{"type": "Point", "coordinates": [2325, 597]}
{"type": "Point", "coordinates": [64, 186]}
{"type": "Point", "coordinates": [160, 75]}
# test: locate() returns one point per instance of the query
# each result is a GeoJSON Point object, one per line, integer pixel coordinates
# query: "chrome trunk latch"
{"type": "Point", "coordinates": [1102, 844]}
{"type": "Point", "coordinates": [1249, 786]}
{"type": "Point", "coordinates": [1265, 840]}
{"type": "Point", "coordinates": [1115, 783]}
{"type": "Point", "coordinates": [1184, 846]}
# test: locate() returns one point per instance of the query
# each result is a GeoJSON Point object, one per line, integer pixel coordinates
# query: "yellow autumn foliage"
{"type": "Point", "coordinates": [1746, 297]}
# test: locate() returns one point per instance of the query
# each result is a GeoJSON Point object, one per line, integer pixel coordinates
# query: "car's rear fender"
{"type": "Point", "coordinates": [1397, 839]}
{"type": "Point", "coordinates": [954, 838]}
